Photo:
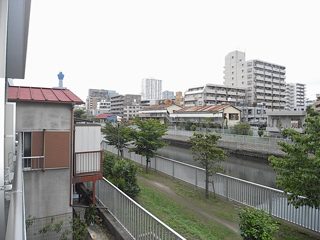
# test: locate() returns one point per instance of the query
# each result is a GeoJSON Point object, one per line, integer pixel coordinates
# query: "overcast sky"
{"type": "Point", "coordinates": [112, 45]}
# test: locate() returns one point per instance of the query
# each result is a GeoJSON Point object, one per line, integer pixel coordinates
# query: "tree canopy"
{"type": "Point", "coordinates": [242, 128]}
{"type": "Point", "coordinates": [146, 138]}
{"type": "Point", "coordinates": [207, 154]}
{"type": "Point", "coordinates": [298, 171]}
{"type": "Point", "coordinates": [118, 136]}
{"type": "Point", "coordinates": [79, 113]}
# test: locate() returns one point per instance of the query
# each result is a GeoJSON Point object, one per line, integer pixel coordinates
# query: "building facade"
{"type": "Point", "coordinates": [167, 94]}
{"type": "Point", "coordinates": [213, 94]}
{"type": "Point", "coordinates": [296, 96]}
{"type": "Point", "coordinates": [97, 95]}
{"type": "Point", "coordinates": [264, 81]}
{"type": "Point", "coordinates": [151, 88]}
{"type": "Point", "coordinates": [126, 106]}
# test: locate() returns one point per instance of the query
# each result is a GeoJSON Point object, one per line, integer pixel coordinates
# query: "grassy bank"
{"type": "Point", "coordinates": [192, 224]}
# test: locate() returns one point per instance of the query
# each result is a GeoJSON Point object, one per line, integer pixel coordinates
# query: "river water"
{"type": "Point", "coordinates": [247, 168]}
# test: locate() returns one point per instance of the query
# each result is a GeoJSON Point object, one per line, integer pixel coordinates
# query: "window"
{"type": "Point", "coordinates": [200, 102]}
{"type": "Point", "coordinates": [232, 73]}
{"type": "Point", "coordinates": [249, 76]}
{"type": "Point", "coordinates": [231, 57]}
{"type": "Point", "coordinates": [249, 64]}
{"type": "Point", "coordinates": [258, 111]}
{"type": "Point", "coordinates": [249, 70]}
{"type": "Point", "coordinates": [233, 116]}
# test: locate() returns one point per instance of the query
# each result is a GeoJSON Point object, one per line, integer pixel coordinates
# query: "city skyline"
{"type": "Point", "coordinates": [114, 45]}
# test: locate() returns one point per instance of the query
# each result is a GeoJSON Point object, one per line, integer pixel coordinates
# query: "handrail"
{"type": "Point", "coordinates": [16, 228]}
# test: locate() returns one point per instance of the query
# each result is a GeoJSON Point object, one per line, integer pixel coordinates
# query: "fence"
{"type": "Point", "coordinates": [235, 138]}
{"type": "Point", "coordinates": [137, 221]}
{"type": "Point", "coordinates": [54, 227]}
{"type": "Point", "coordinates": [271, 200]}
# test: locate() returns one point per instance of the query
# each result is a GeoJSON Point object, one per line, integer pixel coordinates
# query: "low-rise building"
{"type": "Point", "coordinates": [159, 112]}
{"type": "Point", "coordinates": [224, 115]}
{"type": "Point", "coordinates": [279, 120]}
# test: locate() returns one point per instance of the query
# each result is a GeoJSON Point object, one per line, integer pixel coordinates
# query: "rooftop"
{"type": "Point", "coordinates": [38, 94]}
{"type": "Point", "coordinates": [214, 108]}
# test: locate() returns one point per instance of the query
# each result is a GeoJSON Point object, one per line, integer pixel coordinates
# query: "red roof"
{"type": "Point", "coordinates": [36, 94]}
{"type": "Point", "coordinates": [104, 116]}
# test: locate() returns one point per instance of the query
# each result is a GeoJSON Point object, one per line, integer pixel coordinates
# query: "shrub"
{"type": "Point", "coordinates": [125, 177]}
{"type": "Point", "coordinates": [256, 224]}
{"type": "Point", "coordinates": [260, 133]}
{"type": "Point", "coordinates": [122, 173]}
{"type": "Point", "coordinates": [193, 127]}
{"type": "Point", "coordinates": [188, 125]}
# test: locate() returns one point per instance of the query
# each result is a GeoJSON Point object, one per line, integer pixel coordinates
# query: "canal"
{"type": "Point", "coordinates": [247, 168]}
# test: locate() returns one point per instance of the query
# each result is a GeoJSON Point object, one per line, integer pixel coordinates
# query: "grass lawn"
{"type": "Point", "coordinates": [193, 225]}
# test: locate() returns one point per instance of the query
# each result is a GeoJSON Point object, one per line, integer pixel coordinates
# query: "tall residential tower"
{"type": "Point", "coordinates": [264, 81]}
{"type": "Point", "coordinates": [151, 88]}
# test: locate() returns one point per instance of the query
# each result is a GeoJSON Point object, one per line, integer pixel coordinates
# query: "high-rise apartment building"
{"type": "Point", "coordinates": [151, 88]}
{"type": "Point", "coordinates": [296, 99]}
{"type": "Point", "coordinates": [264, 81]}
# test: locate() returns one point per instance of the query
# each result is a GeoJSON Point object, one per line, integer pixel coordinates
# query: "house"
{"type": "Point", "coordinates": [160, 112]}
{"type": "Point", "coordinates": [107, 117]}
{"type": "Point", "coordinates": [54, 148]}
{"type": "Point", "coordinates": [221, 114]}
{"type": "Point", "coordinates": [279, 120]}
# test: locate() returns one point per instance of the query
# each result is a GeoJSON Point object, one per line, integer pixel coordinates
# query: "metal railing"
{"type": "Point", "coordinates": [16, 228]}
{"type": "Point", "coordinates": [234, 138]}
{"type": "Point", "coordinates": [248, 193]}
{"type": "Point", "coordinates": [137, 221]}
{"type": "Point", "coordinates": [34, 163]}
{"type": "Point", "coordinates": [88, 163]}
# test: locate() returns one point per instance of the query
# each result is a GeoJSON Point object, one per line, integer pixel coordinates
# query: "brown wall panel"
{"type": "Point", "coordinates": [57, 149]}
{"type": "Point", "coordinates": [37, 144]}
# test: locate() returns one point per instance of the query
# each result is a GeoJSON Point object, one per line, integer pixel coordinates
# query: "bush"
{"type": "Point", "coordinates": [242, 128]}
{"type": "Point", "coordinates": [256, 224]}
{"type": "Point", "coordinates": [193, 127]}
{"type": "Point", "coordinates": [122, 173]}
{"type": "Point", "coordinates": [188, 125]}
{"type": "Point", "coordinates": [260, 133]}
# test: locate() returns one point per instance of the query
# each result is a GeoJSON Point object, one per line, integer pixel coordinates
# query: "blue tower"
{"type": "Point", "coordinates": [60, 76]}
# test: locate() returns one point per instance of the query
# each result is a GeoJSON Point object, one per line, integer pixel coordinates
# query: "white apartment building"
{"type": "Point", "coordinates": [151, 88]}
{"type": "Point", "coordinates": [213, 94]}
{"type": "Point", "coordinates": [264, 81]}
{"type": "Point", "coordinates": [296, 99]}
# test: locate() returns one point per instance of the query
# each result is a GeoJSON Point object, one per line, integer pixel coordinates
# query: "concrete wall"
{"type": "Point", "coordinates": [47, 193]}
{"type": "Point", "coordinates": [39, 116]}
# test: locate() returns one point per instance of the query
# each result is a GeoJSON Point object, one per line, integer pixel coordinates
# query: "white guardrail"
{"type": "Point", "coordinates": [137, 221]}
{"type": "Point", "coordinates": [269, 199]}
{"type": "Point", "coordinates": [269, 141]}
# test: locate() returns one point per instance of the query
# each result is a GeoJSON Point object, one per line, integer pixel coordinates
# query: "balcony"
{"type": "Point", "coordinates": [34, 163]}
{"type": "Point", "coordinates": [88, 164]}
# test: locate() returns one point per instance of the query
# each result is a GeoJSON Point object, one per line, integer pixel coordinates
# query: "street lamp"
{"type": "Point", "coordinates": [118, 139]}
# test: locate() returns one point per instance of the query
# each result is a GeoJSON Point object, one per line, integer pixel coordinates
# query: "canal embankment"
{"type": "Point", "coordinates": [261, 151]}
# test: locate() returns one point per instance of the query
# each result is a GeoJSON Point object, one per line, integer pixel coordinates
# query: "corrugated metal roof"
{"type": "Point", "coordinates": [37, 94]}
{"type": "Point", "coordinates": [104, 116]}
{"type": "Point", "coordinates": [161, 106]}
{"type": "Point", "coordinates": [214, 108]}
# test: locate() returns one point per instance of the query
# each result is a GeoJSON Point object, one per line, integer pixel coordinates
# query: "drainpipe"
{"type": "Point", "coordinates": [72, 130]}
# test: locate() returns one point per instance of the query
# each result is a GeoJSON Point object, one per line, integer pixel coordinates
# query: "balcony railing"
{"type": "Point", "coordinates": [34, 163]}
{"type": "Point", "coordinates": [88, 163]}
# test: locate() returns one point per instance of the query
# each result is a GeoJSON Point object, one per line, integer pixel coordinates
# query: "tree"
{"type": "Point", "coordinates": [260, 133]}
{"type": "Point", "coordinates": [146, 138]}
{"type": "Point", "coordinates": [298, 171]}
{"type": "Point", "coordinates": [188, 125]}
{"type": "Point", "coordinates": [79, 113]}
{"type": "Point", "coordinates": [256, 224]}
{"type": "Point", "coordinates": [118, 134]}
{"type": "Point", "coordinates": [242, 128]}
{"type": "Point", "coordinates": [207, 154]}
